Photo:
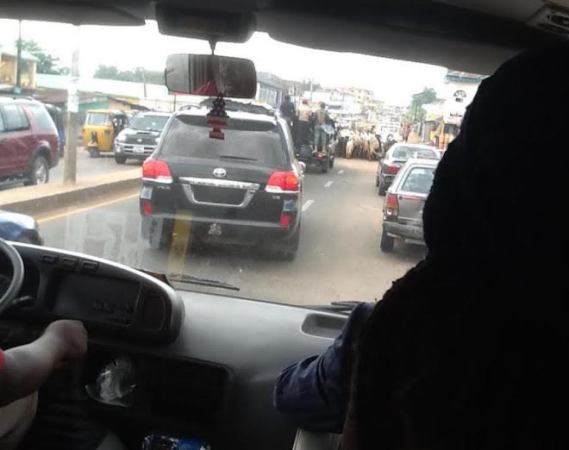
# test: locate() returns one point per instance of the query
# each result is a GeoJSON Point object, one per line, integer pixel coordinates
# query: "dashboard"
{"type": "Point", "coordinates": [200, 365]}
{"type": "Point", "coordinates": [109, 298]}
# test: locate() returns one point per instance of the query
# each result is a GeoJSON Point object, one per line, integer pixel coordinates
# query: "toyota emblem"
{"type": "Point", "coordinates": [219, 172]}
{"type": "Point", "coordinates": [139, 140]}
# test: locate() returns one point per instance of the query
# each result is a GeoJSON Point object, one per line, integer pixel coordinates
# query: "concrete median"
{"type": "Point", "coordinates": [45, 199]}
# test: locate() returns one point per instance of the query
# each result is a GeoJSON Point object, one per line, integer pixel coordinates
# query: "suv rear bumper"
{"type": "Point", "coordinates": [409, 233]}
{"type": "Point", "coordinates": [224, 230]}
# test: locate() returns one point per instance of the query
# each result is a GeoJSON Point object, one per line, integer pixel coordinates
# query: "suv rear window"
{"type": "Point", "coordinates": [419, 180]}
{"type": "Point", "coordinates": [43, 120]}
{"type": "Point", "coordinates": [14, 118]}
{"type": "Point", "coordinates": [245, 141]}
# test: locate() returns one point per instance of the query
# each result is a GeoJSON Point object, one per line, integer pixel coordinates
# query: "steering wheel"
{"type": "Point", "coordinates": [15, 285]}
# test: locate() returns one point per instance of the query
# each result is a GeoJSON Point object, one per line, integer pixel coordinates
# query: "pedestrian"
{"type": "Point", "coordinates": [467, 350]}
{"type": "Point", "coordinates": [288, 111]}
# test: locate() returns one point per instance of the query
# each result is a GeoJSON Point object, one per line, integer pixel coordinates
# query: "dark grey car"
{"type": "Point", "coordinates": [403, 206]}
{"type": "Point", "coordinates": [396, 157]}
{"type": "Point", "coordinates": [140, 138]}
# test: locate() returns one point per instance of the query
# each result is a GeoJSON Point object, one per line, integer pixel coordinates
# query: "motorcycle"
{"type": "Point", "coordinates": [322, 160]}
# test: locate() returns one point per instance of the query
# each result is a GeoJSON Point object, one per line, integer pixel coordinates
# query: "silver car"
{"type": "Point", "coordinates": [404, 202]}
{"type": "Point", "coordinates": [396, 156]}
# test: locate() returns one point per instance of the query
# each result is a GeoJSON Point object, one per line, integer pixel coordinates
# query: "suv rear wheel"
{"type": "Point", "coordinates": [39, 173]}
{"type": "Point", "coordinates": [159, 235]}
{"type": "Point", "coordinates": [287, 250]}
{"type": "Point", "coordinates": [386, 243]}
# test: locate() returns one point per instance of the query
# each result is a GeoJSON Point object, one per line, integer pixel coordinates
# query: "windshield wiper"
{"type": "Point", "coordinates": [237, 158]}
{"type": "Point", "coordinates": [182, 278]}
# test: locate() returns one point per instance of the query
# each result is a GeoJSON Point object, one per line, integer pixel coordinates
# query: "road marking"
{"type": "Point", "coordinates": [86, 208]}
{"type": "Point", "coordinates": [328, 184]}
{"type": "Point", "coordinates": [340, 172]}
{"type": "Point", "coordinates": [307, 204]}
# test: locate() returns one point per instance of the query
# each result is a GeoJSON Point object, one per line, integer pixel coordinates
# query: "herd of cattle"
{"type": "Point", "coordinates": [358, 144]}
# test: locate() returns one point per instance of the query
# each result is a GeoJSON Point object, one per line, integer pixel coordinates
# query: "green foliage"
{"type": "Point", "coordinates": [416, 112]}
{"type": "Point", "coordinates": [137, 75]}
{"type": "Point", "coordinates": [46, 63]}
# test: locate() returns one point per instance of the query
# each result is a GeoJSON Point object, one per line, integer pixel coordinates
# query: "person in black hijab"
{"type": "Point", "coordinates": [470, 349]}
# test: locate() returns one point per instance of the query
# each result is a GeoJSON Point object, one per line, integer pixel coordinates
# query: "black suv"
{"type": "Point", "coordinates": [140, 138]}
{"type": "Point", "coordinates": [243, 189]}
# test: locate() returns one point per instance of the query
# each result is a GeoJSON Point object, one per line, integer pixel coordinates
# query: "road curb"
{"type": "Point", "coordinates": [40, 200]}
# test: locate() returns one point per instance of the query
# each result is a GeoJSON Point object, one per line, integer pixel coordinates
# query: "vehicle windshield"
{"type": "Point", "coordinates": [148, 122]}
{"type": "Point", "coordinates": [97, 119]}
{"type": "Point", "coordinates": [419, 180]}
{"type": "Point", "coordinates": [280, 200]}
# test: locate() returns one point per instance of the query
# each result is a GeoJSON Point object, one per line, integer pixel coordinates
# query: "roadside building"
{"type": "Point", "coordinates": [270, 89]}
{"type": "Point", "coordinates": [8, 66]}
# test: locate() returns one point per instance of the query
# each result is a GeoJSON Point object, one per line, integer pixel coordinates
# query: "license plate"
{"type": "Point", "coordinates": [146, 193]}
{"type": "Point", "coordinates": [138, 149]}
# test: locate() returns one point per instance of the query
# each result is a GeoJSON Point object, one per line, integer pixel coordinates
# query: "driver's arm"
{"type": "Point", "coordinates": [24, 369]}
{"type": "Point", "coordinates": [313, 393]}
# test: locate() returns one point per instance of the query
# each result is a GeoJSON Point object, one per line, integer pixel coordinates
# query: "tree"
{"type": "Point", "coordinates": [138, 75]}
{"type": "Point", "coordinates": [46, 63]}
{"type": "Point", "coordinates": [416, 111]}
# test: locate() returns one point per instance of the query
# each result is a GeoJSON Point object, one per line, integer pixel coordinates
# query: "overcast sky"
{"type": "Point", "coordinates": [128, 47]}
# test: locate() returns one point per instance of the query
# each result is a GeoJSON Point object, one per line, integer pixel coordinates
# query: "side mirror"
{"type": "Point", "coordinates": [211, 75]}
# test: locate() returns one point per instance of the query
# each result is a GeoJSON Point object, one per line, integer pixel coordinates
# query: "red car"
{"type": "Point", "coordinates": [28, 141]}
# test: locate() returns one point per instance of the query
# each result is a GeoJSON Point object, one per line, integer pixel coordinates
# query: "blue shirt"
{"type": "Point", "coordinates": [314, 392]}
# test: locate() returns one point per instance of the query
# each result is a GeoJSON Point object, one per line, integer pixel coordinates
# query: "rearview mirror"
{"type": "Point", "coordinates": [211, 75]}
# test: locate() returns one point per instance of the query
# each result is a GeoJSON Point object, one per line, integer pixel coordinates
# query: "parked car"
{"type": "Point", "coordinates": [140, 138]}
{"type": "Point", "coordinates": [28, 141]}
{"type": "Point", "coordinates": [244, 189]}
{"type": "Point", "coordinates": [403, 206]}
{"type": "Point", "coordinates": [19, 227]}
{"type": "Point", "coordinates": [58, 117]}
{"type": "Point", "coordinates": [396, 157]}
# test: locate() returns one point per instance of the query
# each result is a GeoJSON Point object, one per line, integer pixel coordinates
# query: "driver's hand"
{"type": "Point", "coordinates": [70, 339]}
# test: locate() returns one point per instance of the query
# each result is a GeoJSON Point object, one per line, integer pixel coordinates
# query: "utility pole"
{"type": "Point", "coordinates": [18, 88]}
{"type": "Point", "coordinates": [70, 157]}
{"type": "Point", "coordinates": [144, 81]}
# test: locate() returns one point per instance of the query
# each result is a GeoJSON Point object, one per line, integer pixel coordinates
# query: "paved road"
{"type": "Point", "coordinates": [338, 259]}
{"type": "Point", "coordinates": [87, 166]}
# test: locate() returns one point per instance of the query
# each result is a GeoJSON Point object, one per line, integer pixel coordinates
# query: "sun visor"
{"type": "Point", "coordinates": [75, 13]}
{"type": "Point", "coordinates": [209, 25]}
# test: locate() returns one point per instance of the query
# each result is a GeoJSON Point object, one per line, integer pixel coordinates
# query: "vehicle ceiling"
{"type": "Point", "coordinates": [469, 35]}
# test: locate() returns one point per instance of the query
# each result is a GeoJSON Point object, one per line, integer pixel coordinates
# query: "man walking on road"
{"type": "Point", "coordinates": [288, 110]}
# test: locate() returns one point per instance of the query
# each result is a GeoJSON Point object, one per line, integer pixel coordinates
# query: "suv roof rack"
{"type": "Point", "coordinates": [16, 96]}
{"type": "Point", "coordinates": [233, 105]}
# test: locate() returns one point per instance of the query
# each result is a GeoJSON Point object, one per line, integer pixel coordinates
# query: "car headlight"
{"type": "Point", "coordinates": [157, 140]}
{"type": "Point", "coordinates": [121, 138]}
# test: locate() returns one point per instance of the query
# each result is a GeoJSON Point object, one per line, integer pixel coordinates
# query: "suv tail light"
{"type": "Point", "coordinates": [156, 169]}
{"type": "Point", "coordinates": [283, 182]}
{"type": "Point", "coordinates": [391, 205]}
{"type": "Point", "coordinates": [391, 169]}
